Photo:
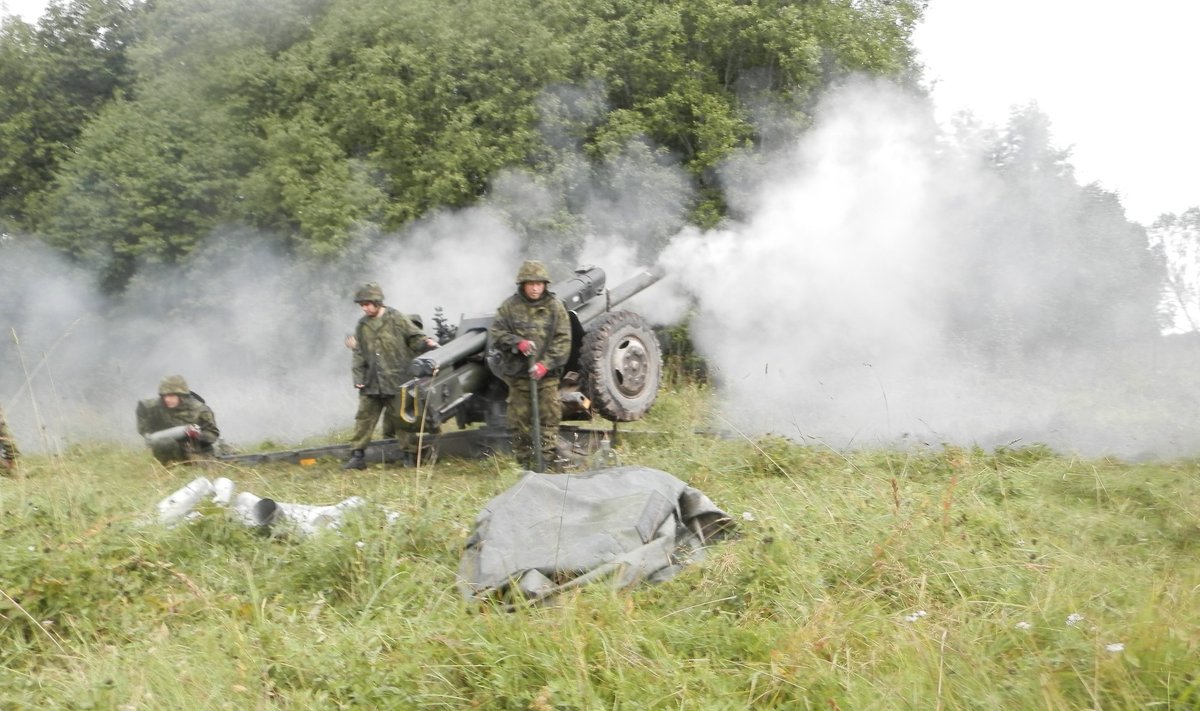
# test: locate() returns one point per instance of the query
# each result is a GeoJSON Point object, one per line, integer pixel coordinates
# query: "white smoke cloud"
{"type": "Point", "coordinates": [259, 335]}
{"type": "Point", "coordinates": [831, 311]}
{"type": "Point", "coordinates": [256, 334]}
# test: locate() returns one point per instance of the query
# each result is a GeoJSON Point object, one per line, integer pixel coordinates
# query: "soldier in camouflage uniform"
{"type": "Point", "coordinates": [178, 425]}
{"type": "Point", "coordinates": [532, 332]}
{"type": "Point", "coordinates": [384, 344]}
{"type": "Point", "coordinates": [8, 446]}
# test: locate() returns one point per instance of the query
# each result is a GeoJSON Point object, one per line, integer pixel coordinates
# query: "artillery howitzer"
{"type": "Point", "coordinates": [614, 371]}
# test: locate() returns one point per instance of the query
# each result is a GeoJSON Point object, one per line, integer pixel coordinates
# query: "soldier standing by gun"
{"type": "Point", "coordinates": [532, 332]}
{"type": "Point", "coordinates": [178, 426]}
{"type": "Point", "coordinates": [384, 343]}
{"type": "Point", "coordinates": [8, 446]}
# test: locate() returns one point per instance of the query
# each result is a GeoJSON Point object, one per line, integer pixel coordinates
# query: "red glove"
{"type": "Point", "coordinates": [526, 347]}
{"type": "Point", "coordinates": [538, 370]}
{"type": "Point", "coordinates": [192, 432]}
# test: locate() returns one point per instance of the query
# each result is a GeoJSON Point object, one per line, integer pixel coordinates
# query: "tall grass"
{"type": "Point", "coordinates": [917, 579]}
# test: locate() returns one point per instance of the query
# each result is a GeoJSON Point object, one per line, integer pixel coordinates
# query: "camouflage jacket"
{"type": "Point", "coordinates": [386, 346]}
{"type": "Point", "coordinates": [154, 416]}
{"type": "Point", "coordinates": [545, 322]}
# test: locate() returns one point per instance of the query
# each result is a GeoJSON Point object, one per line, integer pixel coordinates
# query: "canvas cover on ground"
{"type": "Point", "coordinates": [551, 532]}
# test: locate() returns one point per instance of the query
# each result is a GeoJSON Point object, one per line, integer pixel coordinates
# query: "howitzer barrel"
{"type": "Point", "coordinates": [470, 340]}
{"type": "Point", "coordinates": [582, 287]}
{"type": "Point", "coordinates": [618, 294]}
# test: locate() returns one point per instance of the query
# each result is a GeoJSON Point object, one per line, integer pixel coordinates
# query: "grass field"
{"type": "Point", "coordinates": [935, 578]}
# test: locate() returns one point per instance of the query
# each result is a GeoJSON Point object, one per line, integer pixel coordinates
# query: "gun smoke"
{"type": "Point", "coordinates": [256, 334]}
{"type": "Point", "coordinates": [832, 309]}
{"type": "Point", "coordinates": [850, 306]}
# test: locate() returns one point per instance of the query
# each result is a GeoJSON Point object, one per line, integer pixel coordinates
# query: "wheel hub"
{"type": "Point", "coordinates": [629, 366]}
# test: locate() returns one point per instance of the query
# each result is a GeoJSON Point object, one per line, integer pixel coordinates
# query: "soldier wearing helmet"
{"type": "Point", "coordinates": [8, 446]}
{"type": "Point", "coordinates": [177, 425]}
{"type": "Point", "coordinates": [532, 332]}
{"type": "Point", "coordinates": [384, 344]}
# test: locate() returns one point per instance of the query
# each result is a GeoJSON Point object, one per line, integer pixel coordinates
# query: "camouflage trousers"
{"type": "Point", "coordinates": [520, 419]}
{"type": "Point", "coordinates": [370, 407]}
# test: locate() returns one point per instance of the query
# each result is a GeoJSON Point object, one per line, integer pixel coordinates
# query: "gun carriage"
{"type": "Point", "coordinates": [614, 371]}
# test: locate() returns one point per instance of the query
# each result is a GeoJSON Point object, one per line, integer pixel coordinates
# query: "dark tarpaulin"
{"type": "Point", "coordinates": [551, 532]}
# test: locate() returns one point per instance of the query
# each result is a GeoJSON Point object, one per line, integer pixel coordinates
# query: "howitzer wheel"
{"type": "Point", "coordinates": [622, 365]}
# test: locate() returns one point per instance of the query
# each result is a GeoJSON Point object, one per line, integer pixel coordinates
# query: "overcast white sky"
{"type": "Point", "coordinates": [29, 10]}
{"type": "Point", "coordinates": [1118, 81]}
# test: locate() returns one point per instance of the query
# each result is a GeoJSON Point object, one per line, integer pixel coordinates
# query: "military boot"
{"type": "Point", "coordinates": [357, 460]}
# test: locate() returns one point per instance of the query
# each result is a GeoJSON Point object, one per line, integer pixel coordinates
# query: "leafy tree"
{"type": "Point", "coordinates": [151, 179]}
{"type": "Point", "coordinates": [1052, 265]}
{"type": "Point", "coordinates": [699, 77]}
{"type": "Point", "coordinates": [310, 118]}
{"type": "Point", "coordinates": [1176, 239]}
{"type": "Point", "coordinates": [305, 186]}
{"type": "Point", "coordinates": [436, 101]}
{"type": "Point", "coordinates": [154, 173]}
{"type": "Point", "coordinates": [54, 79]}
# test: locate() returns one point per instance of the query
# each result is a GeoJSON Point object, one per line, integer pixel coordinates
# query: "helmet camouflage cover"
{"type": "Point", "coordinates": [371, 291]}
{"type": "Point", "coordinates": [532, 270]}
{"type": "Point", "coordinates": [173, 385]}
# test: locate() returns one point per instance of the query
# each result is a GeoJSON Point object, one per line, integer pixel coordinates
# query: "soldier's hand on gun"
{"type": "Point", "coordinates": [192, 432]}
{"type": "Point", "coordinates": [526, 347]}
{"type": "Point", "coordinates": [538, 370]}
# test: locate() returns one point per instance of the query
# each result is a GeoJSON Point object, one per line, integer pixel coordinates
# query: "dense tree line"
{"type": "Point", "coordinates": [1077, 274]}
{"type": "Point", "coordinates": [54, 80]}
{"type": "Point", "coordinates": [131, 130]}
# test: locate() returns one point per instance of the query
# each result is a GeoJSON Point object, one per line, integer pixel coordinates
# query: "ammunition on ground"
{"type": "Point", "coordinates": [171, 434]}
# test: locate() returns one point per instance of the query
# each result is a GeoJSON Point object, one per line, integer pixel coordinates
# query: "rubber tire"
{"type": "Point", "coordinates": [621, 361]}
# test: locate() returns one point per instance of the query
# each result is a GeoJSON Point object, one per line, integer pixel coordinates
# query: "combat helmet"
{"type": "Point", "coordinates": [532, 270]}
{"type": "Point", "coordinates": [371, 291]}
{"type": "Point", "coordinates": [173, 385]}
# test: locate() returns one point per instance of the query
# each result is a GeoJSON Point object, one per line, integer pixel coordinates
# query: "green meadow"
{"type": "Point", "coordinates": [926, 578]}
